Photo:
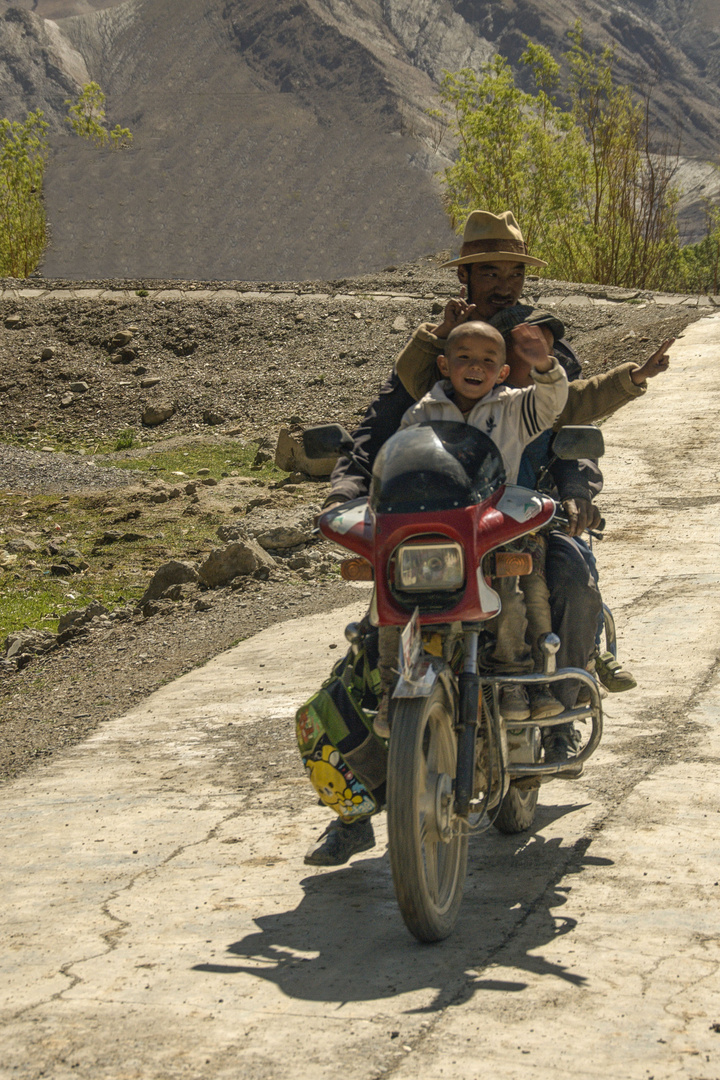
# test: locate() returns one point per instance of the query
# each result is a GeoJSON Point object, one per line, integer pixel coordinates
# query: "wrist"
{"type": "Point", "coordinates": [637, 377]}
{"type": "Point", "coordinates": [545, 364]}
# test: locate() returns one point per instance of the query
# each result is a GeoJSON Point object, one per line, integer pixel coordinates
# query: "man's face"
{"type": "Point", "coordinates": [492, 286]}
{"type": "Point", "coordinates": [474, 365]}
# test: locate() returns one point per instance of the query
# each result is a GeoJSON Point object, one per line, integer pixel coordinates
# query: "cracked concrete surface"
{"type": "Point", "coordinates": [158, 921]}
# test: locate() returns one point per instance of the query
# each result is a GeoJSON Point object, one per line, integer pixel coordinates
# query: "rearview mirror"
{"type": "Point", "coordinates": [578, 442]}
{"type": "Point", "coordinates": [326, 440]}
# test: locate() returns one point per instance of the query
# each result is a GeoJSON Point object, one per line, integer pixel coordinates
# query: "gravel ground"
{"type": "Point", "coordinates": [32, 471]}
{"type": "Point", "coordinates": [233, 370]}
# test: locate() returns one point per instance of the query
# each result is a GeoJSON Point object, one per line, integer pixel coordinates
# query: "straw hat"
{"type": "Point", "coordinates": [493, 238]}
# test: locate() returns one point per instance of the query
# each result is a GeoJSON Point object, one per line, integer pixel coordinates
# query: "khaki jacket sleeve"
{"type": "Point", "coordinates": [593, 399]}
{"type": "Point", "coordinates": [416, 365]}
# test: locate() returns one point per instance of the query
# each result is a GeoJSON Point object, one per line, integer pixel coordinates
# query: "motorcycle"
{"type": "Point", "coordinates": [438, 527]}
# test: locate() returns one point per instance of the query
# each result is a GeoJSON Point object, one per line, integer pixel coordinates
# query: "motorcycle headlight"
{"type": "Point", "coordinates": [429, 567]}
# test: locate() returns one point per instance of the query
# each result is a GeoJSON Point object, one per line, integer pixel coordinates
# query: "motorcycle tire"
{"type": "Point", "coordinates": [428, 869]}
{"type": "Point", "coordinates": [517, 810]}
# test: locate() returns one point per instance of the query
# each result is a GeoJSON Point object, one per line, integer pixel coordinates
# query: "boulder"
{"type": "Point", "coordinates": [179, 592]}
{"type": "Point", "coordinates": [224, 564]}
{"type": "Point", "coordinates": [157, 413]}
{"type": "Point", "coordinates": [121, 338]}
{"type": "Point", "coordinates": [290, 456]}
{"type": "Point", "coordinates": [79, 616]}
{"type": "Point", "coordinates": [284, 537]}
{"type": "Point", "coordinates": [28, 641]}
{"type": "Point", "coordinates": [19, 545]}
{"type": "Point", "coordinates": [226, 533]}
{"type": "Point", "coordinates": [261, 554]}
{"type": "Point", "coordinates": [170, 573]}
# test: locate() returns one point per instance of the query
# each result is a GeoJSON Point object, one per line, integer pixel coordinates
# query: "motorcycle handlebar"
{"type": "Point", "coordinates": [561, 518]}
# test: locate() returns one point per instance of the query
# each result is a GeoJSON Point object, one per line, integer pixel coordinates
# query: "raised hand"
{"type": "Point", "coordinates": [457, 311]}
{"type": "Point", "coordinates": [529, 346]}
{"type": "Point", "coordinates": [657, 363]}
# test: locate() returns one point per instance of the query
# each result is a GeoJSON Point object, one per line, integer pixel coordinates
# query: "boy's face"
{"type": "Point", "coordinates": [474, 365]}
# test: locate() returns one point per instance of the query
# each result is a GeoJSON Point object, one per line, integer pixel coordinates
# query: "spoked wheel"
{"type": "Point", "coordinates": [428, 844]}
{"type": "Point", "coordinates": [517, 810]}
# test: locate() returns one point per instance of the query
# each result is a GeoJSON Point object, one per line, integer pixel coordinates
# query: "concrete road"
{"type": "Point", "coordinates": [158, 921]}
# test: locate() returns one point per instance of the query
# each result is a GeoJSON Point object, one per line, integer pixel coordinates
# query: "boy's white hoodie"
{"type": "Point", "coordinates": [511, 417]}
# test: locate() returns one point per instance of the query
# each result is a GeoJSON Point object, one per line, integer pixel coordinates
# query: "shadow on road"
{"type": "Point", "coordinates": [346, 942]}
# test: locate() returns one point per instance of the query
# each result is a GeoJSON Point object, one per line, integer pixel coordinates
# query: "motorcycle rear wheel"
{"type": "Point", "coordinates": [517, 810]}
{"type": "Point", "coordinates": [428, 851]}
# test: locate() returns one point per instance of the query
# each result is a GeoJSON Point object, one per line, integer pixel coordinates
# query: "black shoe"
{"type": "Point", "coordinates": [340, 842]}
{"type": "Point", "coordinates": [561, 745]}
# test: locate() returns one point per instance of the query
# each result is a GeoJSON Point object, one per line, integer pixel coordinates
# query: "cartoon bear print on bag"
{"type": "Point", "coordinates": [336, 785]}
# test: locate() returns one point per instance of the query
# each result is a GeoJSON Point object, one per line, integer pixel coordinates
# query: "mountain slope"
{"type": "Point", "coordinates": [291, 139]}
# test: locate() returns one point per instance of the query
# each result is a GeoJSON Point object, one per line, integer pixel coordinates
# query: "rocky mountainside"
{"type": "Point", "coordinates": [292, 140]}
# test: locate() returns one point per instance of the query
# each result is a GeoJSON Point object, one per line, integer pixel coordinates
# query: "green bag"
{"type": "Point", "coordinates": [346, 762]}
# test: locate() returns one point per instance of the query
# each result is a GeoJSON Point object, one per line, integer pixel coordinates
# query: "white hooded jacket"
{"type": "Point", "coordinates": [511, 417]}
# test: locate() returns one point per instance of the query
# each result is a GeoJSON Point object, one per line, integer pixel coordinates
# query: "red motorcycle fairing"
{"type": "Point", "coordinates": [510, 512]}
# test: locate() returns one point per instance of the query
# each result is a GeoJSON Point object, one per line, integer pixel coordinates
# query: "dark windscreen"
{"type": "Point", "coordinates": [439, 465]}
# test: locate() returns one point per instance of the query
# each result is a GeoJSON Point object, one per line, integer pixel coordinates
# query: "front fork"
{"type": "Point", "coordinates": [469, 694]}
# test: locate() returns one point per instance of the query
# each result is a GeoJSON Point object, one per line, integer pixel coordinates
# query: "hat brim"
{"type": "Point", "coordinates": [495, 256]}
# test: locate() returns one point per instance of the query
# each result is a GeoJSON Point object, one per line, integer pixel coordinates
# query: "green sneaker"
{"type": "Point", "coordinates": [612, 675]}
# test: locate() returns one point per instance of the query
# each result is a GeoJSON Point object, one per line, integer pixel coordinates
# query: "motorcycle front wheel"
{"type": "Point", "coordinates": [427, 843]}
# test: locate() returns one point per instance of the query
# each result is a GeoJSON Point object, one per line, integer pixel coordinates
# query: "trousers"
{"type": "Point", "coordinates": [575, 606]}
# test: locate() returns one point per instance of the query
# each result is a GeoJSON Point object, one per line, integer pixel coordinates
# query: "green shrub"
{"type": "Point", "coordinates": [125, 439]}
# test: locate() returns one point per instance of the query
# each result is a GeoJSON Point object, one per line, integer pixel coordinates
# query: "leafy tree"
{"type": "Point", "coordinates": [699, 264]}
{"type": "Point", "coordinates": [23, 235]}
{"type": "Point", "coordinates": [86, 117]}
{"type": "Point", "coordinates": [513, 152]}
{"type": "Point", "coordinates": [593, 200]}
{"type": "Point", "coordinates": [627, 196]}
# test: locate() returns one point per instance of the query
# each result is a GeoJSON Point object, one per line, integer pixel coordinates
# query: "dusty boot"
{"type": "Point", "coordinates": [340, 842]}
{"type": "Point", "coordinates": [560, 745]}
{"type": "Point", "coordinates": [612, 675]}
{"type": "Point", "coordinates": [543, 703]}
{"type": "Point", "coordinates": [514, 702]}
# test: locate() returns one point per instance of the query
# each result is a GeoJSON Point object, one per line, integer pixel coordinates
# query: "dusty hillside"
{"type": "Point", "coordinates": [292, 140]}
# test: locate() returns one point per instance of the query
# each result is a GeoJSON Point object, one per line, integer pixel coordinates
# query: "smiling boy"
{"type": "Point", "coordinates": [474, 368]}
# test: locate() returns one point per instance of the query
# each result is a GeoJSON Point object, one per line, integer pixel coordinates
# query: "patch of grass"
{"type": "Point", "coordinates": [118, 572]}
{"type": "Point", "coordinates": [223, 460]}
{"type": "Point", "coordinates": [125, 439]}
